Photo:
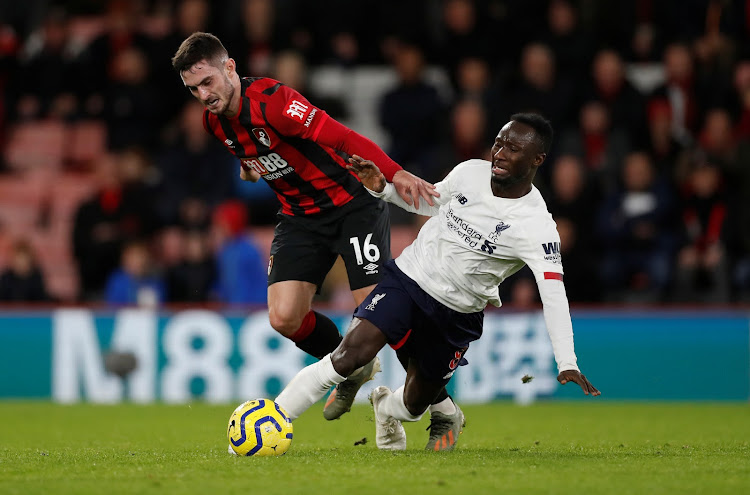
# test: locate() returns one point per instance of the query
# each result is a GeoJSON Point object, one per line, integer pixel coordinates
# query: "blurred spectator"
{"type": "Point", "coordinates": [194, 214]}
{"type": "Point", "coordinates": [259, 38]}
{"type": "Point", "coordinates": [290, 68]}
{"type": "Point", "coordinates": [411, 113]}
{"type": "Point", "coordinates": [22, 280]}
{"type": "Point", "coordinates": [122, 33]}
{"type": "Point", "coordinates": [571, 196]}
{"type": "Point", "coordinates": [567, 39]}
{"type": "Point", "coordinates": [680, 90]}
{"type": "Point", "coordinates": [598, 143]}
{"type": "Point", "coordinates": [133, 108]}
{"type": "Point", "coordinates": [102, 223]}
{"type": "Point", "coordinates": [717, 140]}
{"type": "Point", "coordinates": [50, 78]}
{"type": "Point", "coordinates": [636, 231]}
{"type": "Point", "coordinates": [539, 89]}
{"type": "Point", "coordinates": [579, 262]}
{"type": "Point", "coordinates": [702, 267]}
{"type": "Point", "coordinates": [189, 16]}
{"type": "Point", "coordinates": [467, 138]}
{"type": "Point", "coordinates": [9, 47]}
{"type": "Point", "coordinates": [193, 278]}
{"type": "Point", "coordinates": [463, 33]}
{"type": "Point", "coordinates": [475, 81]}
{"type": "Point", "coordinates": [670, 156]}
{"type": "Point", "coordinates": [194, 165]}
{"type": "Point", "coordinates": [741, 103]}
{"type": "Point", "coordinates": [134, 282]}
{"type": "Point", "coordinates": [625, 104]}
{"type": "Point", "coordinates": [242, 274]}
{"type": "Point", "coordinates": [714, 50]}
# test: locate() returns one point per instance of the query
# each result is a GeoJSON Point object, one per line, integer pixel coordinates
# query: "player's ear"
{"type": "Point", "coordinates": [539, 159]}
{"type": "Point", "coordinates": [230, 65]}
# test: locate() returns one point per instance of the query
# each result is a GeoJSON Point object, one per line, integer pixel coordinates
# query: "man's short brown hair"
{"type": "Point", "coordinates": [196, 47]}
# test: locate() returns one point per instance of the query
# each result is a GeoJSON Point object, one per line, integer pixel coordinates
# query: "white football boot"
{"type": "Point", "coordinates": [389, 432]}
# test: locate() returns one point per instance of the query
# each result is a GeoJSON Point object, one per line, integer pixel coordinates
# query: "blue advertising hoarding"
{"type": "Point", "coordinates": [225, 357]}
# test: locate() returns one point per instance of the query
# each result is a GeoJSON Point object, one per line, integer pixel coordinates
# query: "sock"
{"type": "Point", "coordinates": [393, 406]}
{"type": "Point", "coordinates": [317, 335]}
{"type": "Point", "coordinates": [446, 406]}
{"type": "Point", "coordinates": [308, 387]}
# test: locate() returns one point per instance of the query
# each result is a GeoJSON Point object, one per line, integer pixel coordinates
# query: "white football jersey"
{"type": "Point", "coordinates": [475, 240]}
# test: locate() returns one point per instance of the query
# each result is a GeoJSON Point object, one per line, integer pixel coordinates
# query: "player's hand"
{"type": "Point", "coordinates": [410, 188]}
{"type": "Point", "coordinates": [249, 175]}
{"type": "Point", "coordinates": [369, 173]}
{"type": "Point", "coordinates": [577, 377]}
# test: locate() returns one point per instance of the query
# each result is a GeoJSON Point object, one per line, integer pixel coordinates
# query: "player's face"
{"type": "Point", "coordinates": [210, 85]}
{"type": "Point", "coordinates": [515, 155]}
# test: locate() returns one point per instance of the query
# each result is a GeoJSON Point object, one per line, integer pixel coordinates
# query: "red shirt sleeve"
{"type": "Point", "coordinates": [340, 137]}
{"type": "Point", "coordinates": [292, 115]}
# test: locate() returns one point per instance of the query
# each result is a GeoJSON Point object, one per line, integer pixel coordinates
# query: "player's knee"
{"type": "Point", "coordinates": [285, 322]}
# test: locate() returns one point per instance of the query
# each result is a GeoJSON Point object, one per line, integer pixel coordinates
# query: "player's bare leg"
{"type": "Point", "coordinates": [290, 314]}
{"type": "Point", "coordinates": [361, 344]}
{"type": "Point", "coordinates": [446, 418]}
{"type": "Point", "coordinates": [342, 396]}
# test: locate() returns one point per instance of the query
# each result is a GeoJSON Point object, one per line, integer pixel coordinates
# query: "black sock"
{"type": "Point", "coordinates": [318, 335]}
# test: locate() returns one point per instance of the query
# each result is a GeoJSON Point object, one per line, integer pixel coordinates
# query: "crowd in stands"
{"type": "Point", "coordinates": [648, 178]}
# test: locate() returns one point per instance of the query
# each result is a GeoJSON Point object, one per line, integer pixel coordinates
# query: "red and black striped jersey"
{"type": "Point", "coordinates": [276, 134]}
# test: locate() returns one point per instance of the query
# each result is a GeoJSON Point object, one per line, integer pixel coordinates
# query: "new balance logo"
{"type": "Point", "coordinates": [229, 143]}
{"type": "Point", "coordinates": [461, 198]}
{"type": "Point", "coordinates": [374, 302]}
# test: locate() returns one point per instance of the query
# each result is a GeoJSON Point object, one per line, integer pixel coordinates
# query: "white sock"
{"type": "Point", "coordinates": [445, 406]}
{"type": "Point", "coordinates": [308, 387]}
{"type": "Point", "coordinates": [393, 406]}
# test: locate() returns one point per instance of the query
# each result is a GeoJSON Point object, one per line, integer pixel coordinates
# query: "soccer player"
{"type": "Point", "coordinates": [487, 223]}
{"type": "Point", "coordinates": [325, 212]}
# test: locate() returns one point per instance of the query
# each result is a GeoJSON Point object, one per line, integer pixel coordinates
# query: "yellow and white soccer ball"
{"type": "Point", "coordinates": [259, 427]}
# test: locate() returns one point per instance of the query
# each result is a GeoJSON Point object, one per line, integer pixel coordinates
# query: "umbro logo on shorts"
{"type": "Point", "coordinates": [370, 269]}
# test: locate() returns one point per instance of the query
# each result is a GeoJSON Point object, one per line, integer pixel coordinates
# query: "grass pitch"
{"type": "Point", "coordinates": [584, 447]}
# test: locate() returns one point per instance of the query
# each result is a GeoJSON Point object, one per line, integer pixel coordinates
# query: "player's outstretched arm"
{"type": "Point", "coordinates": [369, 173]}
{"type": "Point", "coordinates": [375, 181]}
{"type": "Point", "coordinates": [578, 377]}
{"type": "Point", "coordinates": [410, 188]}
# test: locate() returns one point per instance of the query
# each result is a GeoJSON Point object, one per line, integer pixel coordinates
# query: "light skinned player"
{"type": "Point", "coordinates": [279, 136]}
{"type": "Point", "coordinates": [488, 222]}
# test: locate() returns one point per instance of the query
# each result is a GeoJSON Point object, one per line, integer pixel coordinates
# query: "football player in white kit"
{"type": "Point", "coordinates": [488, 222]}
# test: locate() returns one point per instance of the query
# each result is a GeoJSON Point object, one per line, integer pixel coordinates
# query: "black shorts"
{"type": "Point", "coordinates": [419, 326]}
{"type": "Point", "coordinates": [306, 248]}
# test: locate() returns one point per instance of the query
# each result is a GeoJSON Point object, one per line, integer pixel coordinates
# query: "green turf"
{"type": "Point", "coordinates": [567, 448]}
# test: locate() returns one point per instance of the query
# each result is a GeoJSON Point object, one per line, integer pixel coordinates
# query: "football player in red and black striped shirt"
{"type": "Point", "coordinates": [325, 211]}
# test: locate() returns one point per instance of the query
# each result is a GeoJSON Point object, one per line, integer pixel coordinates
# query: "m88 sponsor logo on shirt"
{"type": "Point", "coordinates": [271, 166]}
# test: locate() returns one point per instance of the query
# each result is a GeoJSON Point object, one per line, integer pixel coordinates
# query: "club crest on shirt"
{"type": "Point", "coordinates": [262, 136]}
{"type": "Point", "coordinates": [498, 230]}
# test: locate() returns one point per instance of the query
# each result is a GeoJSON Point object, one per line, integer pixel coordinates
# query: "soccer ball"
{"type": "Point", "coordinates": [259, 427]}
